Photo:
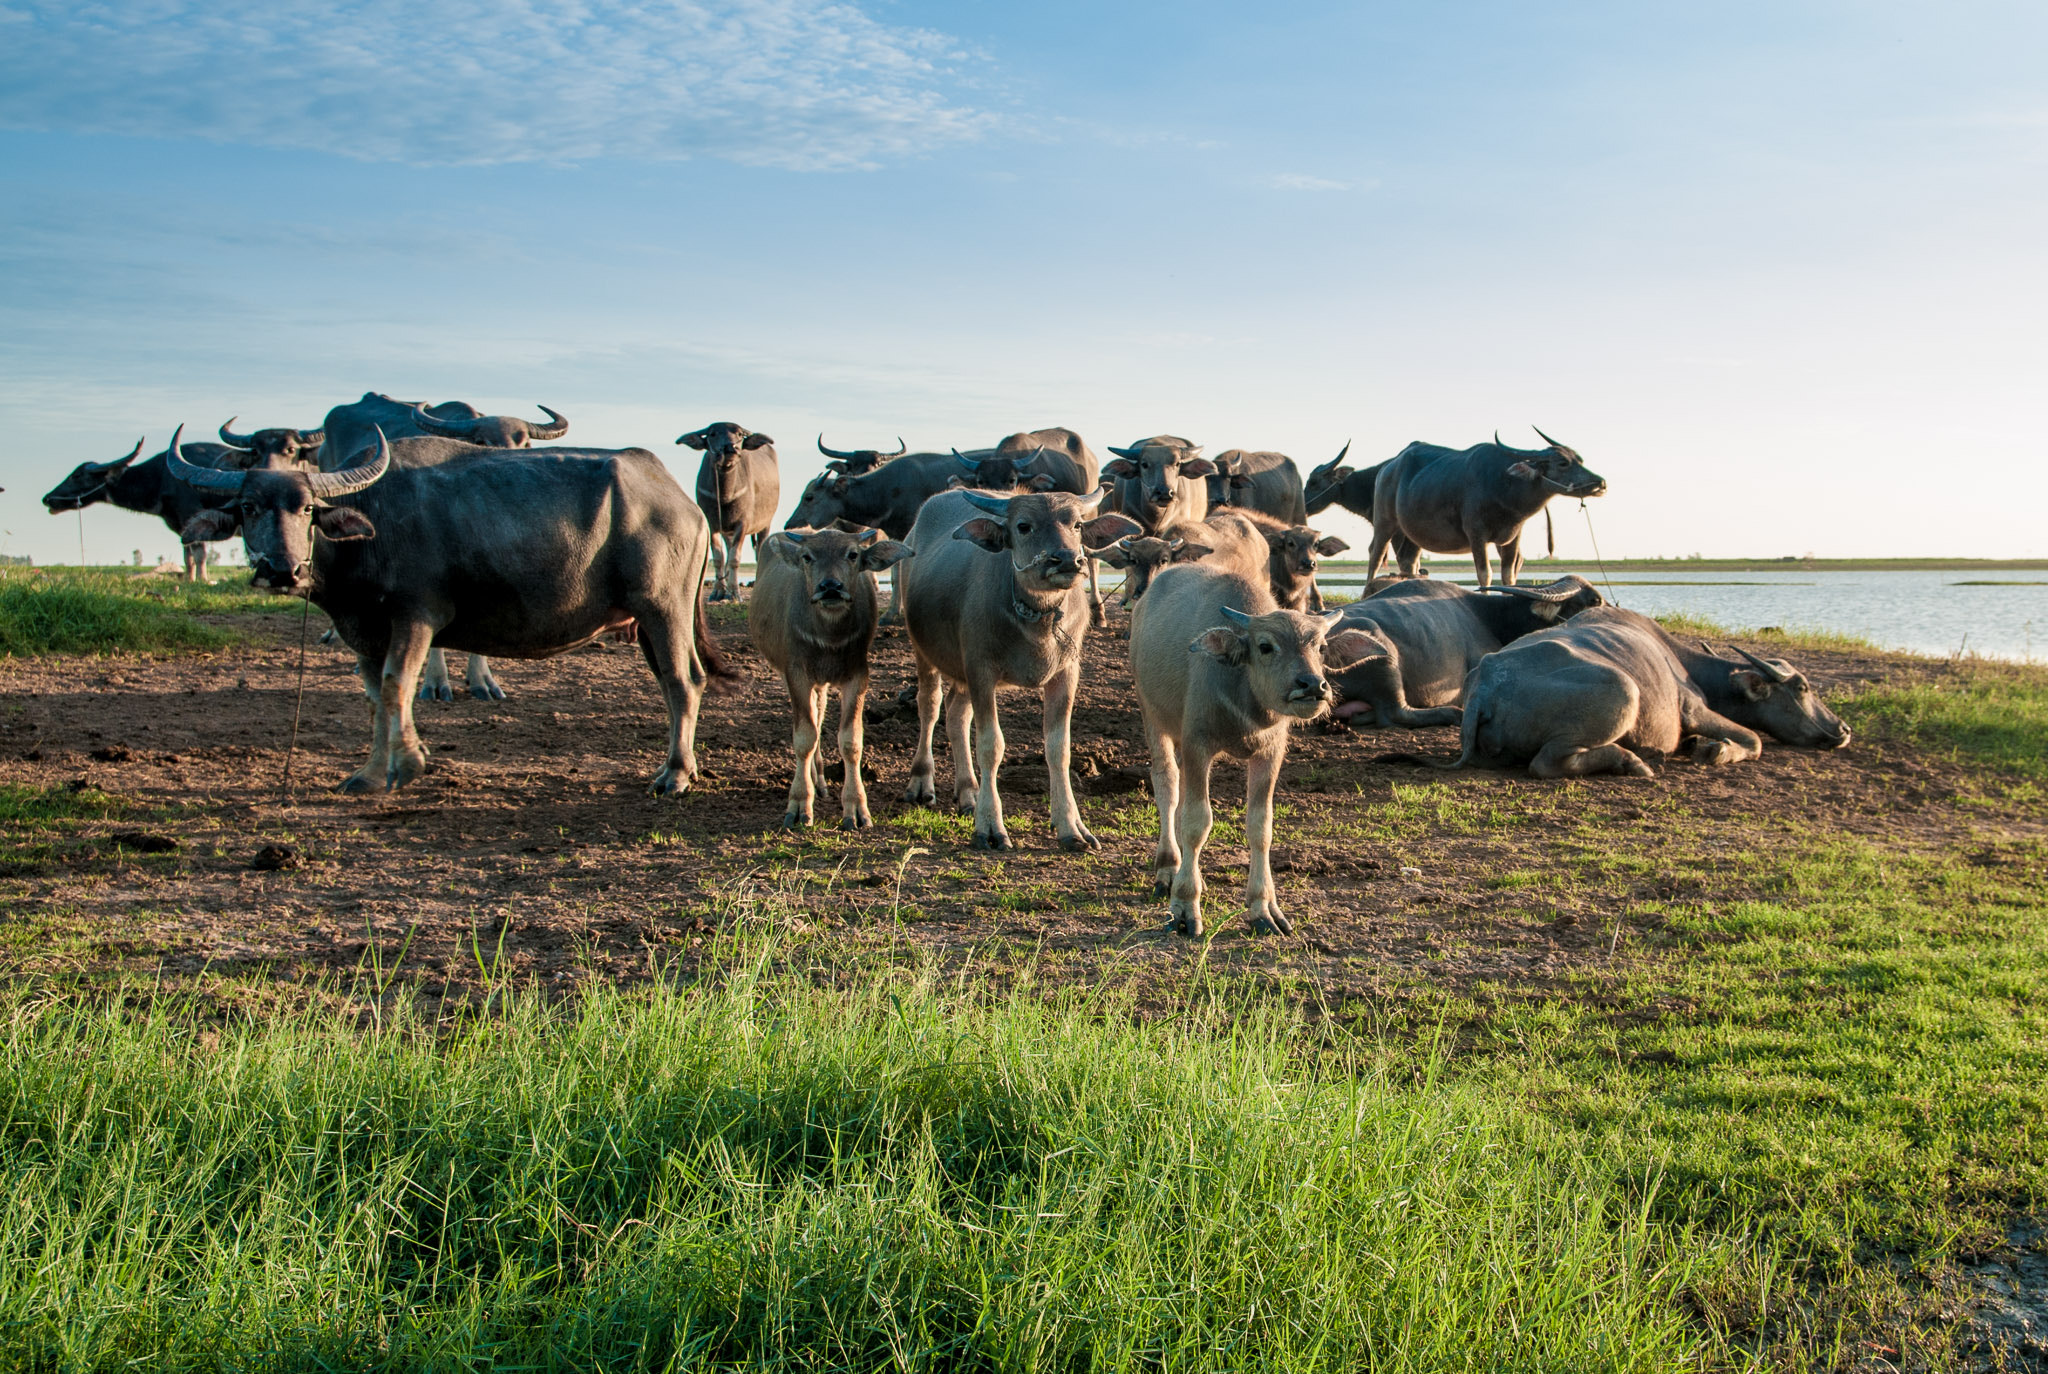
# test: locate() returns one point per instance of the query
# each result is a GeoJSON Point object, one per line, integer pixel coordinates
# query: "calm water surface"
{"type": "Point", "coordinates": [1922, 612]}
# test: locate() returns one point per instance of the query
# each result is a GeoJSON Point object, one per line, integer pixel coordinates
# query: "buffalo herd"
{"type": "Point", "coordinates": [422, 527]}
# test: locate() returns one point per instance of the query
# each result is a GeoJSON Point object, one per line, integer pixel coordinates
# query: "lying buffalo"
{"type": "Point", "coordinates": [1452, 500]}
{"type": "Point", "coordinates": [1428, 636]}
{"type": "Point", "coordinates": [514, 553]}
{"type": "Point", "coordinates": [1583, 697]}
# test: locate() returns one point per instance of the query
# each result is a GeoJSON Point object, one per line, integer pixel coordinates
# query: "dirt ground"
{"type": "Point", "coordinates": [532, 847]}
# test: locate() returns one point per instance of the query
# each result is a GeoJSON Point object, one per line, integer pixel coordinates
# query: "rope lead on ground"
{"type": "Point", "coordinates": [1597, 560]}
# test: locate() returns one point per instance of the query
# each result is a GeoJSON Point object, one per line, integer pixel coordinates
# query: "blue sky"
{"type": "Point", "coordinates": [1774, 269]}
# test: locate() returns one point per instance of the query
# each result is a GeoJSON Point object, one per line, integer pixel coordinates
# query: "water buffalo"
{"type": "Point", "coordinates": [994, 597]}
{"type": "Point", "coordinates": [812, 616]}
{"type": "Point", "coordinates": [353, 427]}
{"type": "Point", "coordinates": [858, 461]}
{"type": "Point", "coordinates": [1451, 499]}
{"type": "Point", "coordinates": [1220, 669]}
{"type": "Point", "coordinates": [1582, 697]}
{"type": "Point", "coordinates": [1259, 480]}
{"type": "Point", "coordinates": [1160, 481]}
{"type": "Point", "coordinates": [1428, 636]}
{"type": "Point", "coordinates": [1291, 554]}
{"type": "Point", "coordinates": [1055, 459]}
{"type": "Point", "coordinates": [1242, 541]}
{"type": "Point", "coordinates": [738, 485]}
{"type": "Point", "coordinates": [887, 499]}
{"type": "Point", "coordinates": [273, 447]}
{"type": "Point", "coordinates": [518, 553]}
{"type": "Point", "coordinates": [149, 488]}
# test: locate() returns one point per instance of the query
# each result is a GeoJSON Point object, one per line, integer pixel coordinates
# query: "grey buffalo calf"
{"type": "Point", "coordinates": [1291, 554]}
{"type": "Point", "coordinates": [812, 616]}
{"type": "Point", "coordinates": [1428, 636]}
{"type": "Point", "coordinates": [995, 598]}
{"type": "Point", "coordinates": [1583, 697]}
{"type": "Point", "coordinates": [520, 553]}
{"type": "Point", "coordinates": [738, 485]}
{"type": "Point", "coordinates": [1221, 670]}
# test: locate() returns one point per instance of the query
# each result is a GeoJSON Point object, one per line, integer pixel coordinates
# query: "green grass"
{"type": "Point", "coordinates": [760, 1174]}
{"type": "Point", "coordinates": [36, 821]}
{"type": "Point", "coordinates": [1978, 710]}
{"type": "Point", "coordinates": [98, 612]}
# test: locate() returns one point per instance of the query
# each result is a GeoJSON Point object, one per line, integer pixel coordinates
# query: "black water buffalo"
{"type": "Point", "coordinates": [491, 431]}
{"type": "Point", "coordinates": [738, 485]}
{"type": "Point", "coordinates": [1446, 500]}
{"type": "Point", "coordinates": [1582, 697]}
{"type": "Point", "coordinates": [1160, 481]}
{"type": "Point", "coordinates": [1428, 636]}
{"type": "Point", "coordinates": [273, 447]}
{"type": "Point", "coordinates": [994, 597]}
{"type": "Point", "coordinates": [149, 488]}
{"type": "Point", "coordinates": [1259, 480]}
{"type": "Point", "coordinates": [858, 461]}
{"type": "Point", "coordinates": [514, 553]}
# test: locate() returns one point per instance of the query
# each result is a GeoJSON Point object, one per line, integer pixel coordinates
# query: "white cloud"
{"type": "Point", "coordinates": [1295, 181]}
{"type": "Point", "coordinates": [801, 84]}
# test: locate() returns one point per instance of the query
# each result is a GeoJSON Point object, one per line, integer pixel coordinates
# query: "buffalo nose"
{"type": "Point", "coordinates": [1309, 685]}
{"type": "Point", "coordinates": [831, 587]}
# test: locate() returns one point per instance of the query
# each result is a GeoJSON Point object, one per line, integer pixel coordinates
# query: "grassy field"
{"type": "Point", "coordinates": [108, 610]}
{"type": "Point", "coordinates": [1780, 1128]}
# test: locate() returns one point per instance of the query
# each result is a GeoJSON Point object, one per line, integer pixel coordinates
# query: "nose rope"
{"type": "Point", "coordinates": [298, 700]}
{"type": "Point", "coordinates": [1598, 561]}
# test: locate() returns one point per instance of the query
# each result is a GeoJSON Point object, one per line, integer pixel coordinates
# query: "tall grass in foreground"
{"type": "Point", "coordinates": [767, 1175]}
{"type": "Point", "coordinates": [101, 613]}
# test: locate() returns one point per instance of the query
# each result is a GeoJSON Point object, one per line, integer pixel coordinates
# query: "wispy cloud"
{"type": "Point", "coordinates": [801, 84]}
{"type": "Point", "coordinates": [1295, 181]}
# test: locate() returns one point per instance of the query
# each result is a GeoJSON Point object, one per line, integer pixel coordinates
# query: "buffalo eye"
{"type": "Point", "coordinates": [1265, 646]}
{"type": "Point", "coordinates": [1024, 527]}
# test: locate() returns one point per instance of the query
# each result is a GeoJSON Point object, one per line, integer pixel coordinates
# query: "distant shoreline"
{"type": "Point", "coordinates": [1687, 565]}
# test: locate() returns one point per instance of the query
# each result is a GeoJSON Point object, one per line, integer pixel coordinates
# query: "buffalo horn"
{"type": "Point", "coordinates": [241, 441]}
{"type": "Point", "coordinates": [1546, 438]}
{"type": "Point", "coordinates": [793, 537]}
{"type": "Point", "coordinates": [1551, 593]}
{"type": "Point", "coordinates": [355, 477]}
{"type": "Point", "coordinates": [901, 449]}
{"type": "Point", "coordinates": [832, 452]}
{"type": "Point", "coordinates": [1496, 440]}
{"type": "Point", "coordinates": [446, 429]}
{"type": "Point", "coordinates": [971, 464]}
{"type": "Point", "coordinates": [1338, 461]}
{"type": "Point", "coordinates": [120, 462]}
{"type": "Point", "coordinates": [997, 506]}
{"type": "Point", "coordinates": [1090, 504]}
{"type": "Point", "coordinates": [555, 428]}
{"type": "Point", "coordinates": [1124, 452]}
{"type": "Point", "coordinates": [1236, 617]}
{"type": "Point", "coordinates": [312, 438]}
{"type": "Point", "coordinates": [1769, 670]}
{"type": "Point", "coordinates": [206, 479]}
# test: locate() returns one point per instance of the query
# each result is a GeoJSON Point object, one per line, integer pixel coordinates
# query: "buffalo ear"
{"type": "Point", "coordinates": [1523, 471]}
{"type": "Point", "coordinates": [343, 523]}
{"type": "Point", "coordinates": [1107, 529]}
{"type": "Point", "coordinates": [1223, 644]}
{"type": "Point", "coordinates": [695, 439]}
{"type": "Point", "coordinates": [1189, 553]}
{"type": "Point", "coordinates": [1347, 647]}
{"type": "Point", "coordinates": [1117, 556]}
{"type": "Point", "coordinates": [840, 484]}
{"type": "Point", "coordinates": [1329, 546]}
{"type": "Point", "coordinates": [888, 552]}
{"type": "Point", "coordinates": [1041, 482]}
{"type": "Point", "coordinates": [756, 441]}
{"type": "Point", "coordinates": [1754, 686]}
{"type": "Point", "coordinates": [992, 535]}
{"type": "Point", "coordinates": [780, 545]}
{"type": "Point", "coordinates": [836, 465]}
{"type": "Point", "coordinates": [208, 526]}
{"type": "Point", "coordinates": [1198, 467]}
{"type": "Point", "coordinates": [1122, 467]}
{"type": "Point", "coordinates": [1238, 479]}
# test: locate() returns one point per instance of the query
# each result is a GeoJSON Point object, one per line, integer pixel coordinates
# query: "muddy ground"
{"type": "Point", "coordinates": [533, 849]}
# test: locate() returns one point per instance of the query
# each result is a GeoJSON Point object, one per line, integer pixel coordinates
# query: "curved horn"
{"type": "Point", "coordinates": [206, 479]}
{"type": "Point", "coordinates": [120, 462]}
{"type": "Point", "coordinates": [995, 505]}
{"type": "Point", "coordinates": [557, 426]}
{"type": "Point", "coordinates": [1336, 462]}
{"type": "Point", "coordinates": [901, 449]}
{"type": "Point", "coordinates": [1550, 593]}
{"type": "Point", "coordinates": [1091, 504]}
{"type": "Point", "coordinates": [971, 464]}
{"type": "Point", "coordinates": [1496, 439]}
{"type": "Point", "coordinates": [1546, 438]}
{"type": "Point", "coordinates": [1124, 452]}
{"type": "Point", "coordinates": [445, 429]}
{"type": "Point", "coordinates": [1236, 617]}
{"type": "Point", "coordinates": [1769, 670]}
{"type": "Point", "coordinates": [354, 478]}
{"type": "Point", "coordinates": [240, 441]}
{"type": "Point", "coordinates": [831, 452]}
{"type": "Point", "coordinates": [313, 438]}
{"type": "Point", "coordinates": [793, 537]}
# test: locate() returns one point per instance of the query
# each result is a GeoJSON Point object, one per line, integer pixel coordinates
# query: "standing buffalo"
{"type": "Point", "coordinates": [1161, 481]}
{"type": "Point", "coordinates": [1220, 670]}
{"type": "Point", "coordinates": [1055, 459]}
{"type": "Point", "coordinates": [513, 553]}
{"type": "Point", "coordinates": [994, 598]}
{"type": "Point", "coordinates": [274, 447]}
{"type": "Point", "coordinates": [858, 461]}
{"type": "Point", "coordinates": [150, 488]}
{"type": "Point", "coordinates": [1451, 499]}
{"type": "Point", "coordinates": [887, 498]}
{"type": "Point", "coordinates": [738, 486]}
{"type": "Point", "coordinates": [1261, 481]}
{"type": "Point", "coordinates": [812, 616]}
{"type": "Point", "coordinates": [1583, 697]}
{"type": "Point", "coordinates": [492, 431]}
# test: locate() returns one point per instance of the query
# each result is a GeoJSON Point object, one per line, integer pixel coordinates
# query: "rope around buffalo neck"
{"type": "Point", "coordinates": [1598, 561]}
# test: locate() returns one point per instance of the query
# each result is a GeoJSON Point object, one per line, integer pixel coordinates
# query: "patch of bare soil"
{"type": "Point", "coordinates": [532, 847]}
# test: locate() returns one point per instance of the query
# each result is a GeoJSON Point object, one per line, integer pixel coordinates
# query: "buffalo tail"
{"type": "Point", "coordinates": [719, 675]}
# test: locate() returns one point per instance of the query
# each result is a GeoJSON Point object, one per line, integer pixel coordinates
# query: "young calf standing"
{"type": "Point", "coordinates": [813, 617]}
{"type": "Point", "coordinates": [1220, 670]}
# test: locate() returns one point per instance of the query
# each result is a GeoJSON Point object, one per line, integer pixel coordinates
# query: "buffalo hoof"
{"type": "Point", "coordinates": [359, 785]}
{"type": "Point", "coordinates": [404, 769]}
{"type": "Point", "coordinates": [436, 691]}
{"type": "Point", "coordinates": [1162, 885]}
{"type": "Point", "coordinates": [1271, 922]}
{"type": "Point", "coordinates": [992, 839]}
{"type": "Point", "coordinates": [1080, 842]}
{"type": "Point", "coordinates": [795, 820]}
{"type": "Point", "coordinates": [859, 822]}
{"type": "Point", "coordinates": [487, 691]}
{"type": "Point", "coordinates": [921, 793]}
{"type": "Point", "coordinates": [1185, 922]}
{"type": "Point", "coordinates": [670, 782]}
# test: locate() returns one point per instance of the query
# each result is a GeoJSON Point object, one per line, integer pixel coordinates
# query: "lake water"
{"type": "Point", "coordinates": [1922, 612]}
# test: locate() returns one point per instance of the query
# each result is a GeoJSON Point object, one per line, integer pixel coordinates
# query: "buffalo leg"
{"type": "Point", "coordinates": [1510, 559]}
{"type": "Point", "coordinates": [988, 748]}
{"type": "Point", "coordinates": [1407, 556]}
{"type": "Point", "coordinates": [434, 678]}
{"type": "Point", "coordinates": [1563, 759]}
{"type": "Point", "coordinates": [402, 663]}
{"type": "Point", "coordinates": [1096, 615]}
{"type": "Point", "coordinates": [821, 698]}
{"type": "Point", "coordinates": [894, 615]}
{"type": "Point", "coordinates": [1721, 740]}
{"type": "Point", "coordinates": [930, 688]}
{"type": "Point", "coordinates": [960, 742]}
{"type": "Point", "coordinates": [195, 563]}
{"type": "Point", "coordinates": [1315, 596]}
{"type": "Point", "coordinates": [803, 705]}
{"type": "Point", "coordinates": [1479, 562]}
{"type": "Point", "coordinates": [370, 777]}
{"type": "Point", "coordinates": [482, 685]}
{"type": "Point", "coordinates": [1192, 825]}
{"type": "Point", "coordinates": [721, 553]}
{"type": "Point", "coordinates": [853, 792]}
{"type": "Point", "coordinates": [1377, 554]}
{"type": "Point", "coordinates": [666, 645]}
{"type": "Point", "coordinates": [1059, 731]}
{"type": "Point", "coordinates": [1262, 909]}
{"type": "Point", "coordinates": [1166, 796]}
